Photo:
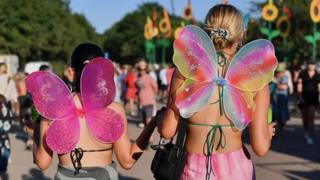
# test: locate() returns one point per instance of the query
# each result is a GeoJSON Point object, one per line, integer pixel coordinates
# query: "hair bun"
{"type": "Point", "coordinates": [220, 42]}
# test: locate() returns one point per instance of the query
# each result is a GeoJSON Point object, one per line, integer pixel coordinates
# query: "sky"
{"type": "Point", "coordinates": [102, 14]}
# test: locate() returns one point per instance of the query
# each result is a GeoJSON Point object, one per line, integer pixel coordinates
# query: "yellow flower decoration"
{"type": "Point", "coordinates": [284, 25]}
{"type": "Point", "coordinates": [150, 31]}
{"type": "Point", "coordinates": [270, 12]}
{"type": "Point", "coordinates": [187, 13]}
{"type": "Point", "coordinates": [165, 25]}
{"type": "Point", "coordinates": [315, 11]}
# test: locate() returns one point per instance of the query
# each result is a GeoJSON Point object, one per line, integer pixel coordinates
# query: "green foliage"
{"type": "Point", "coordinates": [310, 39]}
{"type": "Point", "coordinates": [264, 31]}
{"type": "Point", "coordinates": [41, 30]}
{"type": "Point", "coordinates": [295, 45]}
{"type": "Point", "coordinates": [274, 34]}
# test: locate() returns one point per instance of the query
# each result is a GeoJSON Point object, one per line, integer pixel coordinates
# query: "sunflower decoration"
{"type": "Point", "coordinates": [283, 23]}
{"type": "Point", "coordinates": [187, 13]}
{"type": "Point", "coordinates": [165, 25]}
{"type": "Point", "coordinates": [270, 11]}
{"type": "Point", "coordinates": [315, 11]}
{"type": "Point", "coordinates": [149, 30]}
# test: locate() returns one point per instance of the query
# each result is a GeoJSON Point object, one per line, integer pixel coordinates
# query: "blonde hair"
{"type": "Point", "coordinates": [228, 19]}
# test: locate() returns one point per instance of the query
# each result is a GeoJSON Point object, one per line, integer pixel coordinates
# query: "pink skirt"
{"type": "Point", "coordinates": [225, 166]}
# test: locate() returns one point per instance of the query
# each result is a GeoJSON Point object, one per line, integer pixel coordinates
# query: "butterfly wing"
{"type": "Point", "coordinates": [253, 66]}
{"type": "Point", "coordinates": [194, 54]}
{"type": "Point", "coordinates": [196, 59]}
{"type": "Point", "coordinates": [50, 95]}
{"type": "Point", "coordinates": [238, 106]}
{"type": "Point", "coordinates": [193, 96]}
{"type": "Point", "coordinates": [53, 100]}
{"type": "Point", "coordinates": [63, 136]}
{"type": "Point", "coordinates": [106, 125]}
{"type": "Point", "coordinates": [97, 92]}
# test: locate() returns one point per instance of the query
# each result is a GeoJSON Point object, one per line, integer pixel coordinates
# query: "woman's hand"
{"type": "Point", "coordinates": [272, 129]}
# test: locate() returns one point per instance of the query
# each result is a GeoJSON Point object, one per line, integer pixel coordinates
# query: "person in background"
{"type": "Point", "coordinates": [308, 89]}
{"type": "Point", "coordinates": [68, 75]}
{"type": "Point", "coordinates": [280, 96]}
{"type": "Point", "coordinates": [131, 93]}
{"type": "Point", "coordinates": [8, 88]}
{"type": "Point", "coordinates": [5, 126]}
{"type": "Point", "coordinates": [147, 91]}
{"type": "Point", "coordinates": [164, 84]}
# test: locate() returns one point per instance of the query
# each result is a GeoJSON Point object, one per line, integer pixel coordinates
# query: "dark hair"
{"type": "Point", "coordinates": [83, 52]}
{"type": "Point", "coordinates": [44, 67]}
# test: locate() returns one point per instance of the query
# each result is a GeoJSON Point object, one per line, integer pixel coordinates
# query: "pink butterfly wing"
{"type": "Point", "coordinates": [106, 125]}
{"type": "Point", "coordinates": [63, 136]}
{"type": "Point", "coordinates": [192, 96]}
{"type": "Point", "coordinates": [97, 92]}
{"type": "Point", "coordinates": [194, 54]}
{"type": "Point", "coordinates": [196, 59]}
{"type": "Point", "coordinates": [53, 100]}
{"type": "Point", "coordinates": [50, 95]}
{"type": "Point", "coordinates": [97, 84]}
{"type": "Point", "coordinates": [253, 66]}
{"type": "Point", "coordinates": [238, 106]}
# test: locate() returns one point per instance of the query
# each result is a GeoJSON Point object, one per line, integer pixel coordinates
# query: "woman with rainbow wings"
{"type": "Point", "coordinates": [221, 90]}
{"type": "Point", "coordinates": [86, 126]}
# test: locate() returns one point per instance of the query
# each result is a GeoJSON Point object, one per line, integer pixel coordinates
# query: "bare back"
{"type": "Point", "coordinates": [88, 142]}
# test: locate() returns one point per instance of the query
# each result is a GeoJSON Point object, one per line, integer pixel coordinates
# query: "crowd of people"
{"type": "Point", "coordinates": [139, 89]}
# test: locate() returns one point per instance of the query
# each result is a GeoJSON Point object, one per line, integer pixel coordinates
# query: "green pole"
{"type": "Point", "coordinates": [285, 42]}
{"type": "Point", "coordinates": [314, 45]}
{"type": "Point", "coordinates": [269, 28]}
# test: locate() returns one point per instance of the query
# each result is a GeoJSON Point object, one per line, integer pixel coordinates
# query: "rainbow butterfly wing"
{"type": "Point", "coordinates": [251, 69]}
{"type": "Point", "coordinates": [253, 66]}
{"type": "Point", "coordinates": [53, 100]}
{"type": "Point", "coordinates": [196, 59]}
{"type": "Point", "coordinates": [238, 106]}
{"type": "Point", "coordinates": [97, 92]}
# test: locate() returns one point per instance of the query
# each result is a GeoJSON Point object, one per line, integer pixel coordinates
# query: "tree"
{"type": "Point", "coordinates": [41, 30]}
{"type": "Point", "coordinates": [124, 41]}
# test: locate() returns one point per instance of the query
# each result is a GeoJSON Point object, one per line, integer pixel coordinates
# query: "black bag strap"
{"type": "Point", "coordinates": [182, 130]}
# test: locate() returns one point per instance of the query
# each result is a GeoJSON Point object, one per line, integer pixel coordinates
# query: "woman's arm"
{"type": "Point", "coordinates": [260, 131]}
{"type": "Point", "coordinates": [42, 155]}
{"type": "Point", "coordinates": [127, 153]}
{"type": "Point", "coordinates": [168, 124]}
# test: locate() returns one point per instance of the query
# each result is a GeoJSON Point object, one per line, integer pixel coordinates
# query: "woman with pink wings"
{"type": "Point", "coordinates": [222, 89]}
{"type": "Point", "coordinates": [84, 127]}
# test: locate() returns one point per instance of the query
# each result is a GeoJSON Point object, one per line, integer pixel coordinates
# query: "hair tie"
{"type": "Point", "coordinates": [219, 33]}
{"type": "Point", "coordinates": [86, 62]}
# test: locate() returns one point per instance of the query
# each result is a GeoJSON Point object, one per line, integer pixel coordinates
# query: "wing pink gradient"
{"type": "Point", "coordinates": [50, 95]}
{"type": "Point", "coordinates": [97, 84]}
{"type": "Point", "coordinates": [106, 125]}
{"type": "Point", "coordinates": [97, 92]}
{"type": "Point", "coordinates": [238, 106]}
{"type": "Point", "coordinates": [253, 66]}
{"type": "Point", "coordinates": [53, 100]}
{"type": "Point", "coordinates": [195, 55]}
{"type": "Point", "coordinates": [63, 136]}
{"type": "Point", "coordinates": [196, 59]}
{"type": "Point", "coordinates": [192, 96]}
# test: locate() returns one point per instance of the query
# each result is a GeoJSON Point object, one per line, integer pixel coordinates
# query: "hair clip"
{"type": "Point", "coordinates": [219, 33]}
